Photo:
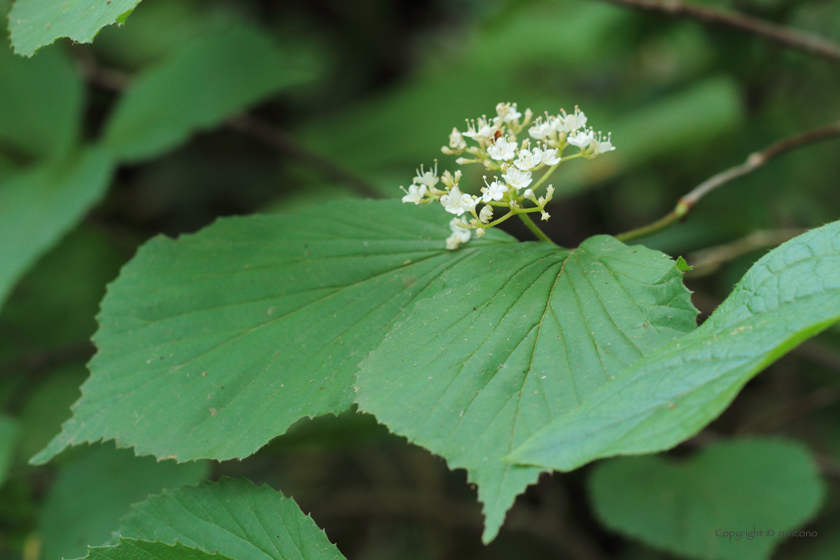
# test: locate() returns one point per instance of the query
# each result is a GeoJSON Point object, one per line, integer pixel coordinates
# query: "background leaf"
{"type": "Point", "coordinates": [93, 490]}
{"type": "Point", "coordinates": [788, 296]}
{"type": "Point", "coordinates": [520, 335]}
{"type": "Point", "coordinates": [8, 440]}
{"type": "Point", "coordinates": [687, 506]}
{"type": "Point", "coordinates": [231, 517]}
{"type": "Point", "coordinates": [129, 549]}
{"type": "Point", "coordinates": [197, 88]}
{"type": "Point", "coordinates": [40, 105]}
{"type": "Point", "coordinates": [38, 206]}
{"type": "Point", "coordinates": [48, 407]}
{"type": "Point", "coordinates": [36, 23]}
{"type": "Point", "coordinates": [211, 345]}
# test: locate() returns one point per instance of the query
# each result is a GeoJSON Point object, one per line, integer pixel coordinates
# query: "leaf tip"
{"type": "Point", "coordinates": [682, 265]}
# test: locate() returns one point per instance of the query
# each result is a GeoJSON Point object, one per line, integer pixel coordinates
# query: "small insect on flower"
{"type": "Point", "coordinates": [496, 147]}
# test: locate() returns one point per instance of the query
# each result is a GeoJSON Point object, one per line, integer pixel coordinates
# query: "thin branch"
{"type": "Point", "coordinates": [117, 81]}
{"type": "Point", "coordinates": [754, 161]}
{"type": "Point", "coordinates": [105, 78]}
{"type": "Point", "coordinates": [707, 261]}
{"type": "Point", "coordinates": [779, 34]}
{"type": "Point", "coordinates": [286, 144]}
{"type": "Point", "coordinates": [401, 503]}
{"type": "Point", "coordinates": [777, 418]}
{"type": "Point", "coordinates": [41, 360]}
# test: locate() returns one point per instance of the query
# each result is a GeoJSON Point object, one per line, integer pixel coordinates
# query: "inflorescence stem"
{"type": "Point", "coordinates": [753, 162]}
{"type": "Point", "coordinates": [529, 223]}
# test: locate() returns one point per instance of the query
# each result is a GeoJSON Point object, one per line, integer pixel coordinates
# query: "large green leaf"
{"type": "Point", "coordinates": [93, 491]}
{"type": "Point", "coordinates": [200, 86]}
{"type": "Point", "coordinates": [40, 205]}
{"type": "Point", "coordinates": [230, 517]}
{"type": "Point", "coordinates": [789, 295]}
{"type": "Point", "coordinates": [211, 345]}
{"type": "Point", "coordinates": [40, 105]}
{"type": "Point", "coordinates": [698, 507]}
{"type": "Point", "coordinates": [36, 23]}
{"type": "Point", "coordinates": [131, 549]}
{"type": "Point", "coordinates": [521, 335]}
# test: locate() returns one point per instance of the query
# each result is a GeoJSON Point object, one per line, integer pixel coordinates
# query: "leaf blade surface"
{"type": "Point", "coordinates": [40, 205]}
{"type": "Point", "coordinates": [520, 336]}
{"type": "Point", "coordinates": [211, 345]}
{"type": "Point", "coordinates": [92, 491]}
{"type": "Point", "coordinates": [37, 23]}
{"type": "Point", "coordinates": [789, 295]}
{"type": "Point", "coordinates": [231, 517]}
{"type": "Point", "coordinates": [131, 549]}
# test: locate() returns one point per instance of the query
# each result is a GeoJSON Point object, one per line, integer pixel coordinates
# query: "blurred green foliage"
{"type": "Point", "coordinates": [692, 507]}
{"type": "Point", "coordinates": [374, 87]}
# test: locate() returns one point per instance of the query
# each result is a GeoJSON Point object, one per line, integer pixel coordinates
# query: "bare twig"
{"type": "Point", "coordinates": [45, 359]}
{"type": "Point", "coordinates": [707, 261]}
{"type": "Point", "coordinates": [399, 502]}
{"type": "Point", "coordinates": [778, 34]}
{"type": "Point", "coordinates": [105, 78]}
{"type": "Point", "coordinates": [804, 406]}
{"type": "Point", "coordinates": [754, 161]}
{"type": "Point", "coordinates": [286, 144]}
{"type": "Point", "coordinates": [116, 80]}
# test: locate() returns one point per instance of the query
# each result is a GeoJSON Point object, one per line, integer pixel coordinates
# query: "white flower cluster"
{"type": "Point", "coordinates": [497, 148]}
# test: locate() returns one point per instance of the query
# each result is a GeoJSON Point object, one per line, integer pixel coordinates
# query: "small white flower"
{"type": "Point", "coordinates": [601, 146]}
{"type": "Point", "coordinates": [486, 214]}
{"type": "Point", "coordinates": [450, 180]}
{"type": "Point", "coordinates": [481, 130]}
{"type": "Point", "coordinates": [541, 129]}
{"type": "Point", "coordinates": [428, 178]}
{"type": "Point", "coordinates": [549, 193]}
{"type": "Point", "coordinates": [479, 232]}
{"type": "Point", "coordinates": [456, 141]}
{"type": "Point", "coordinates": [550, 157]}
{"type": "Point", "coordinates": [502, 150]}
{"type": "Point", "coordinates": [582, 139]}
{"type": "Point", "coordinates": [527, 160]}
{"type": "Point", "coordinates": [529, 194]}
{"type": "Point", "coordinates": [459, 235]}
{"type": "Point", "coordinates": [575, 121]}
{"type": "Point", "coordinates": [455, 202]}
{"type": "Point", "coordinates": [545, 216]}
{"type": "Point", "coordinates": [414, 193]}
{"type": "Point", "coordinates": [506, 113]}
{"type": "Point", "coordinates": [493, 191]}
{"type": "Point", "coordinates": [517, 179]}
{"type": "Point", "coordinates": [557, 123]}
